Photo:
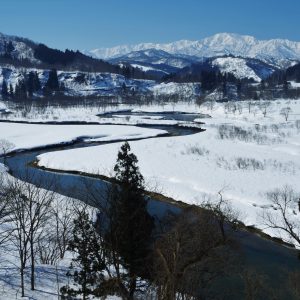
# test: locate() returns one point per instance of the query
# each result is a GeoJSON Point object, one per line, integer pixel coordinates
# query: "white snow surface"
{"type": "Point", "coordinates": [28, 136]}
{"type": "Point", "coordinates": [195, 167]}
{"type": "Point", "coordinates": [295, 84]}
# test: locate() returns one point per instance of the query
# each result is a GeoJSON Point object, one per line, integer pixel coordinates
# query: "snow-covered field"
{"type": "Point", "coordinates": [28, 136]}
{"type": "Point", "coordinates": [90, 112]}
{"type": "Point", "coordinates": [242, 153]}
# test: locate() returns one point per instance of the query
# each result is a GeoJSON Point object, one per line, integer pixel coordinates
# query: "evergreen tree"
{"type": "Point", "coordinates": [52, 83]}
{"type": "Point", "coordinates": [21, 90]}
{"type": "Point", "coordinates": [224, 86]}
{"type": "Point", "coordinates": [33, 83]}
{"type": "Point", "coordinates": [87, 266]}
{"type": "Point", "coordinates": [130, 225]}
{"type": "Point", "coordinates": [126, 169]}
{"type": "Point", "coordinates": [36, 82]}
{"type": "Point", "coordinates": [4, 90]}
{"type": "Point", "coordinates": [30, 84]}
{"type": "Point", "coordinates": [239, 89]}
{"type": "Point", "coordinates": [9, 48]}
{"type": "Point", "coordinates": [11, 91]}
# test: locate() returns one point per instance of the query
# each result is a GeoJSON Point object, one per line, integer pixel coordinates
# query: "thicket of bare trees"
{"type": "Point", "coordinates": [190, 255]}
{"type": "Point", "coordinates": [37, 225]}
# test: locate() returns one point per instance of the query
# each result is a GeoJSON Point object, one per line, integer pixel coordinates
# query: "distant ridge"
{"type": "Point", "coordinates": [273, 50]}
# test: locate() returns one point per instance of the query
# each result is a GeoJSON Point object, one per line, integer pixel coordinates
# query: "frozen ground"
{"type": "Point", "coordinates": [28, 136]}
{"type": "Point", "coordinates": [243, 154]}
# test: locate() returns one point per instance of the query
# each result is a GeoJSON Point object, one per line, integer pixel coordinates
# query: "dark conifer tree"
{"type": "Point", "coordinates": [21, 90]}
{"type": "Point", "coordinates": [36, 82]}
{"type": "Point", "coordinates": [10, 48]}
{"type": "Point", "coordinates": [130, 225]}
{"type": "Point", "coordinates": [52, 83]}
{"type": "Point", "coordinates": [4, 90]}
{"type": "Point", "coordinates": [30, 84]}
{"type": "Point", "coordinates": [87, 266]}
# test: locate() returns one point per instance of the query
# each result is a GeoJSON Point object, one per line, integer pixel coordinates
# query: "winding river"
{"type": "Point", "coordinates": [266, 256]}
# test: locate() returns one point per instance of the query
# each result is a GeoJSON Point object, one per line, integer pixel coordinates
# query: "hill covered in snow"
{"type": "Point", "coordinates": [279, 52]}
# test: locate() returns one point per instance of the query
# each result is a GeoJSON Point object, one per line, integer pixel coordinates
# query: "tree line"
{"type": "Point", "coordinates": [31, 86]}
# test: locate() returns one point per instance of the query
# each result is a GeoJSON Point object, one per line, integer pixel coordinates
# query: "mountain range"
{"type": "Point", "coordinates": [241, 55]}
{"type": "Point", "coordinates": [270, 51]}
{"type": "Point", "coordinates": [82, 73]}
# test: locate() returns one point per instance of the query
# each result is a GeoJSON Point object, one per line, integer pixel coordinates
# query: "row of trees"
{"type": "Point", "coordinates": [31, 85]}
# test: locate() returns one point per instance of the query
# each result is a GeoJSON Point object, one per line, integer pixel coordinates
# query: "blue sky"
{"type": "Point", "coordinates": [88, 24]}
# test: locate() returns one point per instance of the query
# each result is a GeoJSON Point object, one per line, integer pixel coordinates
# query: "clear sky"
{"type": "Point", "coordinates": [88, 24]}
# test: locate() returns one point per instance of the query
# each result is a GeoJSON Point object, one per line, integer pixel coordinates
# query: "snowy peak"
{"type": "Point", "coordinates": [216, 45]}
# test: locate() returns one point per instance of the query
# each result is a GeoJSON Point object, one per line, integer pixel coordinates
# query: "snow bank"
{"type": "Point", "coordinates": [193, 168]}
{"type": "Point", "coordinates": [27, 136]}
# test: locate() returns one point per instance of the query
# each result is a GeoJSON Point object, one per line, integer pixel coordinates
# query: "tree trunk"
{"type": "Point", "coordinates": [132, 287]}
{"type": "Point", "coordinates": [32, 279]}
{"type": "Point", "coordinates": [22, 273]}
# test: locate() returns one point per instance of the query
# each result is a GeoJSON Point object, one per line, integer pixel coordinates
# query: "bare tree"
{"type": "Point", "coordinates": [264, 107]}
{"type": "Point", "coordinates": [294, 283]}
{"type": "Point", "coordinates": [189, 255]}
{"type": "Point", "coordinates": [284, 214]}
{"type": "Point", "coordinates": [285, 112]}
{"type": "Point", "coordinates": [223, 212]}
{"type": "Point", "coordinates": [4, 211]}
{"type": "Point", "coordinates": [30, 206]}
{"type": "Point", "coordinates": [210, 104]}
{"type": "Point", "coordinates": [53, 242]}
{"type": "Point", "coordinates": [5, 147]}
{"type": "Point", "coordinates": [63, 215]}
{"type": "Point", "coordinates": [256, 285]}
{"type": "Point", "coordinates": [249, 104]}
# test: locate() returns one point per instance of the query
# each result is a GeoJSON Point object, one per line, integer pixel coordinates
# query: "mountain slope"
{"type": "Point", "coordinates": [163, 63]}
{"type": "Point", "coordinates": [21, 52]}
{"type": "Point", "coordinates": [154, 61]}
{"type": "Point", "coordinates": [276, 51]}
{"type": "Point", "coordinates": [243, 68]}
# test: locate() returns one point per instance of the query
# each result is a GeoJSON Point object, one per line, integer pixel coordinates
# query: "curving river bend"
{"type": "Point", "coordinates": [266, 256]}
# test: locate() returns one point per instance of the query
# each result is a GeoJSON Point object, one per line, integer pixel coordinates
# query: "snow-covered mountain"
{"type": "Point", "coordinates": [18, 51]}
{"type": "Point", "coordinates": [243, 67]}
{"type": "Point", "coordinates": [161, 63]}
{"type": "Point", "coordinates": [156, 62]}
{"type": "Point", "coordinates": [22, 48]}
{"type": "Point", "coordinates": [276, 51]}
{"type": "Point", "coordinates": [157, 57]}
